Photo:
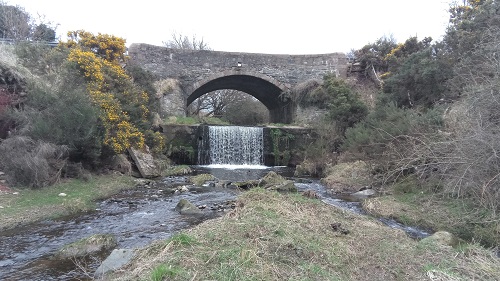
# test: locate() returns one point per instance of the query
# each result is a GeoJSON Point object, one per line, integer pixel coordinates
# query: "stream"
{"type": "Point", "coordinates": [136, 217]}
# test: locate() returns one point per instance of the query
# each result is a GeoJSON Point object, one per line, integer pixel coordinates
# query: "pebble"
{"type": "Point", "coordinates": [1, 207]}
{"type": "Point", "coordinates": [15, 193]}
{"type": "Point", "coordinates": [62, 194]}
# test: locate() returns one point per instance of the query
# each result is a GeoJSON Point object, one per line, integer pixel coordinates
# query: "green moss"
{"type": "Point", "coordinates": [201, 179]}
{"type": "Point", "coordinates": [281, 145]}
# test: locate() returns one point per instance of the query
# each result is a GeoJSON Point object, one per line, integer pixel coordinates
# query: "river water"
{"type": "Point", "coordinates": [136, 217]}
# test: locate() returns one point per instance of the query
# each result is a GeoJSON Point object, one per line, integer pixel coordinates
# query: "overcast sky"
{"type": "Point", "coordinates": [257, 26]}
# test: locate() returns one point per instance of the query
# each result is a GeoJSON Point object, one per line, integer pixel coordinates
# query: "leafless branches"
{"type": "Point", "coordinates": [183, 42]}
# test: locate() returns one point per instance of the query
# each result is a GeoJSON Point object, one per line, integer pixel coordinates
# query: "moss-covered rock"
{"type": "Point", "coordinates": [91, 245]}
{"type": "Point", "coordinates": [185, 207]}
{"type": "Point", "coordinates": [441, 238]}
{"type": "Point", "coordinates": [201, 179]}
{"type": "Point", "coordinates": [273, 181]}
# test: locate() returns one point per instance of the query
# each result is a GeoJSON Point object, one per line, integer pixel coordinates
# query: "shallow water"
{"type": "Point", "coordinates": [136, 217]}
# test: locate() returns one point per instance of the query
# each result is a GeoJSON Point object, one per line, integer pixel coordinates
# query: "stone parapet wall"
{"type": "Point", "coordinates": [195, 65]}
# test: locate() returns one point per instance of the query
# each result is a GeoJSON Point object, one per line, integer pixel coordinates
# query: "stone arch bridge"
{"type": "Point", "coordinates": [184, 75]}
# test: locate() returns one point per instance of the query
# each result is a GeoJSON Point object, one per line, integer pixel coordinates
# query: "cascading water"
{"type": "Point", "coordinates": [231, 145]}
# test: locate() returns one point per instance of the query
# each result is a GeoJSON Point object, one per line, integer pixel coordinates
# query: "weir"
{"type": "Point", "coordinates": [231, 145]}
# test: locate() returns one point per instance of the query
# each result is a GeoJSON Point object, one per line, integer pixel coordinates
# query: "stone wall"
{"type": "Point", "coordinates": [190, 66]}
{"type": "Point", "coordinates": [282, 145]}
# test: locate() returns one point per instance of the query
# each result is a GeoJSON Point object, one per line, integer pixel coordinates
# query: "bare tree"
{"type": "Point", "coordinates": [215, 103]}
{"type": "Point", "coordinates": [14, 22]}
{"type": "Point", "coordinates": [183, 42]}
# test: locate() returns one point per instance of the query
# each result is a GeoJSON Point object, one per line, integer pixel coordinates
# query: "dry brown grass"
{"type": "Point", "coordinates": [271, 236]}
{"type": "Point", "coordinates": [347, 177]}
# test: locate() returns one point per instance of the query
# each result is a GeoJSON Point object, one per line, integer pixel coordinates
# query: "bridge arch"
{"type": "Point", "coordinates": [267, 90]}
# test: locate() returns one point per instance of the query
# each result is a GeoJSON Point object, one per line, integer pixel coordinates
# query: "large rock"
{"type": "Point", "coordinates": [121, 164]}
{"type": "Point", "coordinates": [117, 259]}
{"type": "Point", "coordinates": [144, 162]}
{"type": "Point", "coordinates": [91, 245]}
{"type": "Point", "coordinates": [273, 181]}
{"type": "Point", "coordinates": [184, 207]}
{"type": "Point", "coordinates": [441, 238]}
{"type": "Point", "coordinates": [364, 193]}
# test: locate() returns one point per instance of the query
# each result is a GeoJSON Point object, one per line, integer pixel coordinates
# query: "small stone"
{"type": "Point", "coordinates": [1, 207]}
{"type": "Point", "coordinates": [184, 189]}
{"type": "Point", "coordinates": [154, 196]}
{"type": "Point", "coordinates": [62, 194]}
{"type": "Point", "coordinates": [15, 193]}
{"type": "Point", "coordinates": [3, 181]}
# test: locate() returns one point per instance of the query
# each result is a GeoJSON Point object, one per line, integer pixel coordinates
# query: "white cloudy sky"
{"type": "Point", "coordinates": [256, 26]}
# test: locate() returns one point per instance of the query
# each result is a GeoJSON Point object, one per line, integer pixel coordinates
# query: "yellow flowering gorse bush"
{"type": "Point", "coordinates": [99, 57]}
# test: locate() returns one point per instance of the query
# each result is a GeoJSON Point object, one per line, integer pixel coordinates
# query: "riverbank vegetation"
{"type": "Point", "coordinates": [64, 198]}
{"type": "Point", "coordinates": [273, 236]}
{"type": "Point", "coordinates": [430, 137]}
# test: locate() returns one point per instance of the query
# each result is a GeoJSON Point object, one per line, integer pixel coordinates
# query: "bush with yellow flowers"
{"type": "Point", "coordinates": [124, 111]}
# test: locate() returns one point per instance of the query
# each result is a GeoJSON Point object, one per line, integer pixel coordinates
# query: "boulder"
{"type": "Point", "coordinates": [287, 186]}
{"type": "Point", "coordinates": [310, 194]}
{"type": "Point", "coordinates": [273, 181]}
{"type": "Point", "coordinates": [144, 162]}
{"type": "Point", "coordinates": [441, 238]}
{"type": "Point", "coordinates": [201, 179]}
{"type": "Point", "coordinates": [184, 207]}
{"type": "Point", "coordinates": [91, 245]}
{"type": "Point", "coordinates": [117, 259]}
{"type": "Point", "coordinates": [364, 193]}
{"type": "Point", "coordinates": [121, 164]}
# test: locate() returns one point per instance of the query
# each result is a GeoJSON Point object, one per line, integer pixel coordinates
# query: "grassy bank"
{"type": "Point", "coordinates": [434, 212]}
{"type": "Point", "coordinates": [271, 236]}
{"type": "Point", "coordinates": [32, 205]}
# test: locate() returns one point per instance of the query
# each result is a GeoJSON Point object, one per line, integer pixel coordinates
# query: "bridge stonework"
{"type": "Point", "coordinates": [269, 78]}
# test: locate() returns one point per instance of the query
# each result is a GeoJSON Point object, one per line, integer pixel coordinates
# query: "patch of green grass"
{"type": "Point", "coordinates": [181, 120]}
{"type": "Point", "coordinates": [213, 121]}
{"type": "Point", "coordinates": [182, 239]}
{"type": "Point", "coordinates": [176, 170]}
{"type": "Point", "coordinates": [33, 204]}
{"type": "Point", "coordinates": [193, 120]}
{"type": "Point", "coordinates": [163, 271]}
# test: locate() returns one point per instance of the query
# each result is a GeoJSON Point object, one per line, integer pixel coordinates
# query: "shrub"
{"type": "Point", "coordinates": [388, 124]}
{"type": "Point", "coordinates": [344, 106]}
{"type": "Point", "coordinates": [61, 112]}
{"type": "Point", "coordinates": [32, 163]}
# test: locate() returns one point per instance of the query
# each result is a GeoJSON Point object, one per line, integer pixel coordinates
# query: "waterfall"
{"type": "Point", "coordinates": [231, 145]}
